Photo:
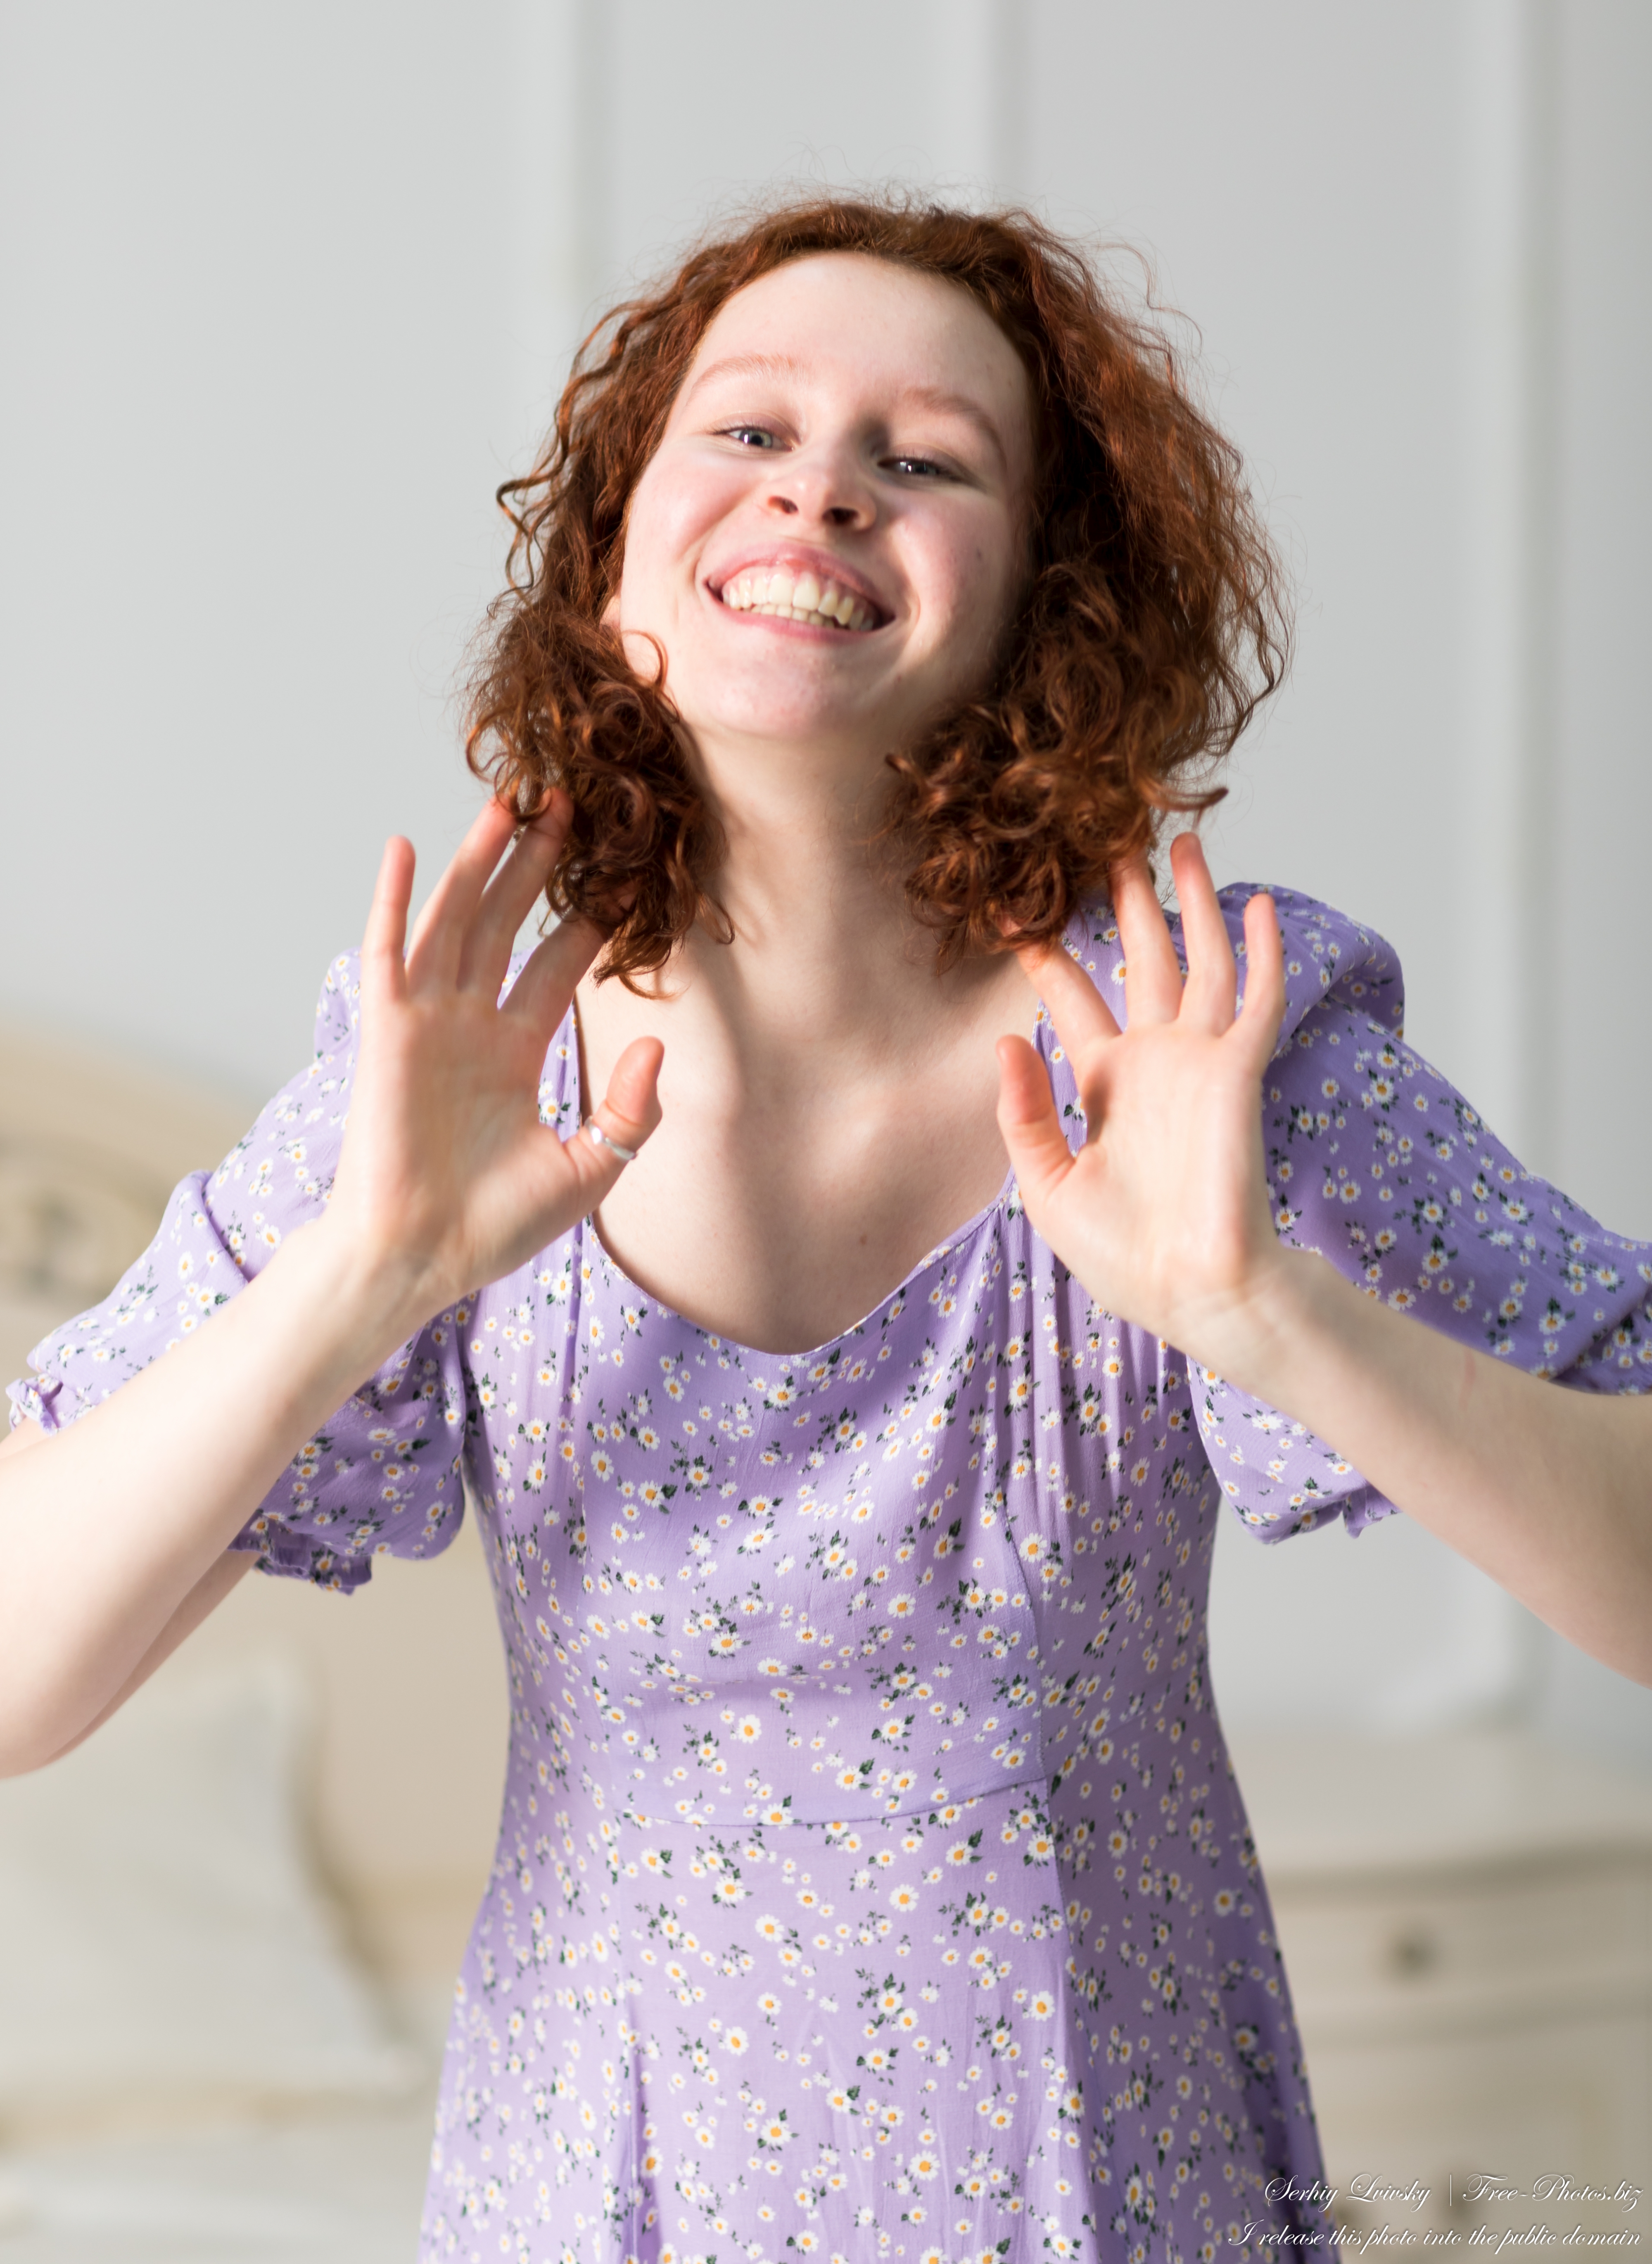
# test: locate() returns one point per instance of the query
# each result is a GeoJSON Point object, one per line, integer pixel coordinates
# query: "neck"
{"type": "Point", "coordinates": [822, 937]}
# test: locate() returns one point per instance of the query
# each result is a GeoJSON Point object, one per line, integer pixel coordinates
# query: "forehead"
{"type": "Point", "coordinates": [870, 327]}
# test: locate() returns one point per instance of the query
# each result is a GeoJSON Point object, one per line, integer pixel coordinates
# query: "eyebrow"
{"type": "Point", "coordinates": [746, 365]}
{"type": "Point", "coordinates": [959, 404]}
{"type": "Point", "coordinates": [926, 397]}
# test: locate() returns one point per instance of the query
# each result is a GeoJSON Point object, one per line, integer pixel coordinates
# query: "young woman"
{"type": "Point", "coordinates": [872, 1878]}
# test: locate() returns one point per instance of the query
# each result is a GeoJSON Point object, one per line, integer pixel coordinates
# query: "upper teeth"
{"type": "Point", "coordinates": [798, 598]}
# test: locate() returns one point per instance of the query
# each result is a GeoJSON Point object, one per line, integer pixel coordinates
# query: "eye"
{"type": "Point", "coordinates": [749, 436]}
{"type": "Point", "coordinates": [918, 467]}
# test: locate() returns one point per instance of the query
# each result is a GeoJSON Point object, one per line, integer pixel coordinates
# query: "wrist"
{"type": "Point", "coordinates": [1258, 1339]}
{"type": "Point", "coordinates": [363, 1304]}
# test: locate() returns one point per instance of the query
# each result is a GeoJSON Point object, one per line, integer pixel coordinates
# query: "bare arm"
{"type": "Point", "coordinates": [107, 1528]}
{"type": "Point", "coordinates": [1164, 1215]}
{"type": "Point", "coordinates": [223, 1574]}
{"type": "Point", "coordinates": [1547, 1490]}
{"type": "Point", "coordinates": [113, 1533]}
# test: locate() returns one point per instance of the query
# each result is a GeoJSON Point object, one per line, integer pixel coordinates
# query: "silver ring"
{"type": "Point", "coordinates": [601, 1139]}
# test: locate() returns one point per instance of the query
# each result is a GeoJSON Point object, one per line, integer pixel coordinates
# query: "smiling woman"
{"type": "Point", "coordinates": [1003, 429]}
{"type": "Point", "coordinates": [871, 1866]}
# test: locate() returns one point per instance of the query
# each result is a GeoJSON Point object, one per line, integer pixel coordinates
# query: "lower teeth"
{"type": "Point", "coordinates": [791, 613]}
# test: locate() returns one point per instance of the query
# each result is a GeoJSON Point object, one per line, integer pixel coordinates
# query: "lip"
{"type": "Point", "coordinates": [801, 558]}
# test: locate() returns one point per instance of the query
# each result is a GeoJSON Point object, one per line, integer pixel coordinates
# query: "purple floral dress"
{"type": "Point", "coordinates": [873, 1881]}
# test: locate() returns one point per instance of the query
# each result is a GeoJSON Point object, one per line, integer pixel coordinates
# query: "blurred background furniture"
{"type": "Point", "coordinates": [406, 1758]}
{"type": "Point", "coordinates": [312, 1783]}
{"type": "Point", "coordinates": [1467, 1923]}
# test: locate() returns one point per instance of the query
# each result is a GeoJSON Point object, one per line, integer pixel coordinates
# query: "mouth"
{"type": "Point", "coordinates": [789, 594]}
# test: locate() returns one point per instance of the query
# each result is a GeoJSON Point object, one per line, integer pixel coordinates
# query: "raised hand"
{"type": "Point", "coordinates": [1162, 1215]}
{"type": "Point", "coordinates": [448, 1178]}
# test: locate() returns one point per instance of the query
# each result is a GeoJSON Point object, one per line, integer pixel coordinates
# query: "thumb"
{"type": "Point", "coordinates": [631, 1106]}
{"type": "Point", "coordinates": [627, 1112]}
{"type": "Point", "coordinates": [1039, 1154]}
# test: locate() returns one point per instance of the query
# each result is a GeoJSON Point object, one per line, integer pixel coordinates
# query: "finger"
{"type": "Point", "coordinates": [1152, 979]}
{"type": "Point", "coordinates": [383, 974]}
{"type": "Point", "coordinates": [541, 993]}
{"type": "Point", "coordinates": [510, 896]}
{"type": "Point", "coordinates": [1039, 1154]}
{"type": "Point", "coordinates": [438, 934]}
{"type": "Point", "coordinates": [628, 1111]}
{"type": "Point", "coordinates": [1213, 982]}
{"type": "Point", "coordinates": [1263, 1007]}
{"type": "Point", "coordinates": [1079, 1012]}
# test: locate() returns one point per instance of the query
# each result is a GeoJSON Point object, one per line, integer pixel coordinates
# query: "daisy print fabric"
{"type": "Point", "coordinates": [872, 1880]}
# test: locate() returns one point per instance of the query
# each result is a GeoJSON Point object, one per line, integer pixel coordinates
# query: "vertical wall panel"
{"type": "Point", "coordinates": [1595, 888]}
{"type": "Point", "coordinates": [1595, 905]}
{"type": "Point", "coordinates": [1506, 552]}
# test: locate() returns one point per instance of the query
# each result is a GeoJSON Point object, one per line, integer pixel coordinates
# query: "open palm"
{"type": "Point", "coordinates": [447, 1177]}
{"type": "Point", "coordinates": [1162, 1215]}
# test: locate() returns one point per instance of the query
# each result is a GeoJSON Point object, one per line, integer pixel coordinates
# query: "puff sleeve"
{"type": "Point", "coordinates": [384, 1473]}
{"type": "Point", "coordinates": [1377, 1162]}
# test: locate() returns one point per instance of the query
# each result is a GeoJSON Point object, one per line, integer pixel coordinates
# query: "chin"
{"type": "Point", "coordinates": [791, 718]}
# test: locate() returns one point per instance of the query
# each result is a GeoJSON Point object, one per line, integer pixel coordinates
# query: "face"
{"type": "Point", "coordinates": [828, 541]}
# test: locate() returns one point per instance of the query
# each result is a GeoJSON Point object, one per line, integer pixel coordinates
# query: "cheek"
{"type": "Point", "coordinates": [978, 568]}
{"type": "Point", "coordinates": [672, 510]}
{"type": "Point", "coordinates": [644, 547]}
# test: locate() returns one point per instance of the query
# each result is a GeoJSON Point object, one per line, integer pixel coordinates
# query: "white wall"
{"type": "Point", "coordinates": [1596, 904]}
{"type": "Point", "coordinates": [256, 293]}
{"type": "Point", "coordinates": [286, 293]}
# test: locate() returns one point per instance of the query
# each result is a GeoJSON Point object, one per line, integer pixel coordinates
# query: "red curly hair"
{"type": "Point", "coordinates": [1151, 624]}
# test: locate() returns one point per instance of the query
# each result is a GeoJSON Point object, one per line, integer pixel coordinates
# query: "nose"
{"type": "Point", "coordinates": [825, 488]}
